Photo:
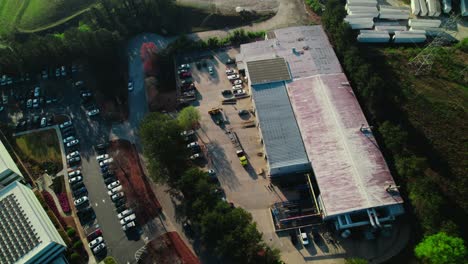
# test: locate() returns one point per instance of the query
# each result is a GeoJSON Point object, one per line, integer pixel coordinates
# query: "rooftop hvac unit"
{"type": "Point", "coordinates": [415, 8]}
{"type": "Point", "coordinates": [447, 6]}
{"type": "Point", "coordinates": [423, 6]}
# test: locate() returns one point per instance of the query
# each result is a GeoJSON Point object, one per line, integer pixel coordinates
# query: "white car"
{"type": "Point", "coordinates": [37, 91]}
{"type": "Point", "coordinates": [72, 143]}
{"type": "Point", "coordinates": [79, 83]}
{"type": "Point", "coordinates": [187, 133]}
{"type": "Point", "coordinates": [93, 112]}
{"type": "Point", "coordinates": [115, 190]}
{"type": "Point", "coordinates": [195, 156]}
{"type": "Point", "coordinates": [102, 157]}
{"type": "Point", "coordinates": [63, 70]}
{"type": "Point", "coordinates": [114, 184]}
{"type": "Point", "coordinates": [117, 196]}
{"type": "Point", "coordinates": [125, 213]}
{"type": "Point", "coordinates": [81, 201]}
{"type": "Point", "coordinates": [43, 122]}
{"type": "Point", "coordinates": [73, 154]}
{"type": "Point", "coordinates": [74, 173]}
{"type": "Point", "coordinates": [96, 242]}
{"type": "Point", "coordinates": [193, 145]}
{"type": "Point", "coordinates": [66, 124]}
{"type": "Point", "coordinates": [128, 219]}
{"type": "Point", "coordinates": [35, 103]}
{"type": "Point", "coordinates": [106, 162]}
{"type": "Point", "coordinates": [233, 77]}
{"type": "Point", "coordinates": [210, 70]}
{"type": "Point", "coordinates": [99, 248]}
{"type": "Point", "coordinates": [128, 226]}
{"type": "Point", "coordinates": [130, 86]}
{"type": "Point", "coordinates": [230, 71]}
{"type": "Point", "coordinates": [237, 86]}
{"type": "Point", "coordinates": [75, 179]}
{"type": "Point", "coordinates": [237, 82]}
{"type": "Point", "coordinates": [239, 92]}
{"type": "Point", "coordinates": [68, 139]}
{"type": "Point", "coordinates": [304, 238]}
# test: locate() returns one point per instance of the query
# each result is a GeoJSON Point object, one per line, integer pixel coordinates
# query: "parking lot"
{"type": "Point", "coordinates": [62, 98]}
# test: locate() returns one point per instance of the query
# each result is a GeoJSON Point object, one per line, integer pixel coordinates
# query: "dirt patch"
{"type": "Point", "coordinates": [169, 248]}
{"type": "Point", "coordinates": [159, 101]}
{"type": "Point", "coordinates": [137, 189]}
{"type": "Point", "coordinates": [112, 109]}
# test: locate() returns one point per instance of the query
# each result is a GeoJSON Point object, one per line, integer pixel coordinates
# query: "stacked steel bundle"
{"type": "Point", "coordinates": [464, 7]}
{"type": "Point", "coordinates": [447, 4]}
{"type": "Point", "coordinates": [423, 7]}
{"type": "Point", "coordinates": [362, 8]}
{"type": "Point", "coordinates": [433, 7]}
{"type": "Point", "coordinates": [360, 22]}
{"type": "Point", "coordinates": [414, 36]}
{"type": "Point", "coordinates": [372, 36]}
{"type": "Point", "coordinates": [424, 24]}
{"type": "Point", "coordinates": [393, 13]}
{"type": "Point", "coordinates": [415, 7]}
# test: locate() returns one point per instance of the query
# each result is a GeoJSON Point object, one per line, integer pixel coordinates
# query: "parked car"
{"type": "Point", "coordinates": [125, 213]}
{"type": "Point", "coordinates": [195, 156]}
{"type": "Point", "coordinates": [184, 66]}
{"type": "Point", "coordinates": [65, 124]}
{"type": "Point", "coordinates": [303, 237]}
{"type": "Point", "coordinates": [113, 185]}
{"type": "Point", "coordinates": [77, 186]}
{"type": "Point", "coordinates": [187, 133]}
{"type": "Point", "coordinates": [44, 75]}
{"type": "Point", "coordinates": [74, 173]}
{"type": "Point", "coordinates": [226, 92]}
{"type": "Point", "coordinates": [97, 233]}
{"type": "Point", "coordinates": [79, 83]}
{"type": "Point", "coordinates": [105, 169]}
{"type": "Point", "coordinates": [96, 242]}
{"type": "Point", "coordinates": [210, 70]}
{"type": "Point", "coordinates": [128, 226]}
{"type": "Point", "coordinates": [86, 95]}
{"type": "Point", "coordinates": [102, 157]}
{"type": "Point", "coordinates": [239, 92]}
{"type": "Point", "coordinates": [99, 248]}
{"type": "Point", "coordinates": [115, 190]}
{"type": "Point", "coordinates": [128, 219]}
{"type": "Point", "coordinates": [37, 91]}
{"type": "Point", "coordinates": [68, 139]}
{"type": "Point", "coordinates": [63, 71]}
{"type": "Point", "coordinates": [93, 112]}
{"type": "Point", "coordinates": [72, 143]}
{"type": "Point", "coordinates": [243, 112]}
{"type": "Point", "coordinates": [106, 162]}
{"type": "Point", "coordinates": [237, 86]}
{"type": "Point", "coordinates": [80, 192]}
{"type": "Point", "coordinates": [230, 71]}
{"type": "Point", "coordinates": [109, 180]}
{"type": "Point", "coordinates": [117, 196]}
{"type": "Point", "coordinates": [120, 201]}
{"type": "Point", "coordinates": [29, 103]}
{"type": "Point", "coordinates": [230, 61]}
{"type": "Point", "coordinates": [293, 236]}
{"type": "Point", "coordinates": [73, 154]}
{"type": "Point", "coordinates": [35, 103]}
{"type": "Point", "coordinates": [75, 179]}
{"type": "Point", "coordinates": [185, 75]}
{"type": "Point", "coordinates": [130, 86]}
{"type": "Point", "coordinates": [121, 208]}
{"type": "Point", "coordinates": [43, 122]}
{"type": "Point", "coordinates": [233, 77]}
{"type": "Point", "coordinates": [237, 82]}
{"type": "Point", "coordinates": [193, 145]}
{"type": "Point", "coordinates": [74, 160]}
{"type": "Point", "coordinates": [80, 201]}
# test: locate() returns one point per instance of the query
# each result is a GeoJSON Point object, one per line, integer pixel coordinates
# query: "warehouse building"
{"type": "Point", "coordinates": [26, 233]}
{"type": "Point", "coordinates": [355, 184]}
{"type": "Point", "coordinates": [9, 172]}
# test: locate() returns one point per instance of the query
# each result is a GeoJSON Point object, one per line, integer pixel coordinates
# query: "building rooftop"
{"type": "Point", "coordinates": [350, 170]}
{"type": "Point", "coordinates": [6, 162]}
{"type": "Point", "coordinates": [25, 228]}
{"type": "Point", "coordinates": [280, 132]}
{"type": "Point", "coordinates": [268, 70]}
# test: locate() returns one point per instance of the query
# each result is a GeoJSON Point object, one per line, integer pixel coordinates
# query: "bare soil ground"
{"type": "Point", "coordinates": [169, 249]}
{"type": "Point", "coordinates": [159, 101]}
{"type": "Point", "coordinates": [137, 189]}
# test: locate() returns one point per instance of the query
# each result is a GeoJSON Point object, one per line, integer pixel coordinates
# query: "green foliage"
{"type": "Point", "coordinates": [441, 248]}
{"type": "Point", "coordinates": [71, 232]}
{"type": "Point", "coordinates": [109, 260]}
{"type": "Point", "coordinates": [463, 45]}
{"type": "Point", "coordinates": [78, 245]}
{"type": "Point", "coordinates": [410, 166]}
{"type": "Point", "coordinates": [188, 117]}
{"type": "Point", "coordinates": [394, 136]}
{"type": "Point", "coordinates": [356, 261]}
{"type": "Point", "coordinates": [163, 146]}
{"type": "Point", "coordinates": [75, 257]}
{"type": "Point", "coordinates": [315, 6]}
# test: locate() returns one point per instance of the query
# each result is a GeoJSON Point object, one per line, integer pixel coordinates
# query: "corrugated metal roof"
{"type": "Point", "coordinates": [268, 70]}
{"type": "Point", "coordinates": [280, 132]}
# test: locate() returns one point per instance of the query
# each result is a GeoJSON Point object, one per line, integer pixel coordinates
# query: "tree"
{"type": "Point", "coordinates": [188, 118]}
{"type": "Point", "coordinates": [394, 136]}
{"type": "Point", "coordinates": [441, 248]}
{"type": "Point", "coordinates": [75, 257]}
{"type": "Point", "coordinates": [410, 166]}
{"type": "Point", "coordinates": [71, 232]}
{"type": "Point", "coordinates": [356, 261]}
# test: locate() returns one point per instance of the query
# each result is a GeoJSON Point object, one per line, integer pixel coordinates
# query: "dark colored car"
{"type": "Point", "coordinates": [77, 186]}
{"type": "Point", "coordinates": [86, 214]}
{"type": "Point", "coordinates": [80, 192]}
{"type": "Point", "coordinates": [316, 236]}
{"type": "Point", "coordinates": [293, 237]}
{"type": "Point", "coordinates": [109, 180]}
{"type": "Point", "coordinates": [97, 233]}
{"type": "Point", "coordinates": [120, 202]}
{"type": "Point", "coordinates": [230, 61]}
{"type": "Point", "coordinates": [108, 175]}
{"type": "Point", "coordinates": [121, 208]}
{"type": "Point", "coordinates": [104, 169]}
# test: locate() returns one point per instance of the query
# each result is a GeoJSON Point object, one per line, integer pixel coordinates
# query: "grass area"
{"type": "Point", "coordinates": [436, 104]}
{"type": "Point", "coordinates": [33, 14]}
{"type": "Point", "coordinates": [41, 148]}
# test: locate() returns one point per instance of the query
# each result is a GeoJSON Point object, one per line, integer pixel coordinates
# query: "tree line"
{"type": "Point", "coordinates": [226, 232]}
{"type": "Point", "coordinates": [381, 100]}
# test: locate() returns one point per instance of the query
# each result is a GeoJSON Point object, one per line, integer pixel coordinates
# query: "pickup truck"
{"type": "Point", "coordinates": [242, 158]}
